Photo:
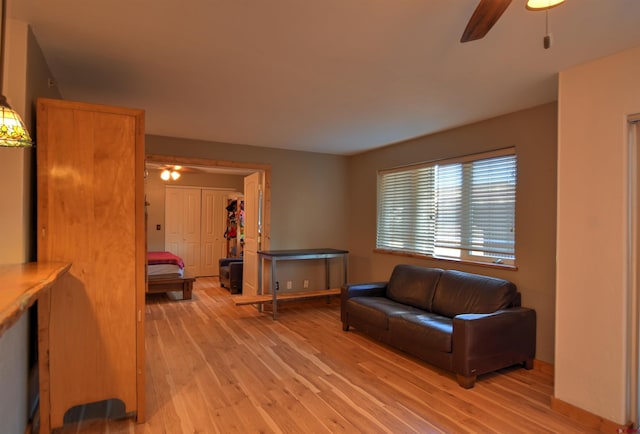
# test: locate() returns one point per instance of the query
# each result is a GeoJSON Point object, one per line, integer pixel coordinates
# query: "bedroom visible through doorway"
{"type": "Point", "coordinates": [157, 224]}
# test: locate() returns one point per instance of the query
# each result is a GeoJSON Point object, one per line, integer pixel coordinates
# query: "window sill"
{"type": "Point", "coordinates": [457, 261]}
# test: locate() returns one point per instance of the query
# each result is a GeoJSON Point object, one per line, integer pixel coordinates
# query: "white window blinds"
{"type": "Point", "coordinates": [462, 208]}
{"type": "Point", "coordinates": [406, 210]}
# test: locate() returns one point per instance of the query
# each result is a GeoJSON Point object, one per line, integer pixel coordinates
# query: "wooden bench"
{"type": "Point", "coordinates": [284, 296]}
{"type": "Point", "coordinates": [184, 284]}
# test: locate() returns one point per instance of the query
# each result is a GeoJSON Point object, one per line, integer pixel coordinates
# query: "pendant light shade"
{"type": "Point", "coordinates": [13, 133]}
{"type": "Point", "coordinates": [12, 130]}
{"type": "Point", "coordinates": [538, 5]}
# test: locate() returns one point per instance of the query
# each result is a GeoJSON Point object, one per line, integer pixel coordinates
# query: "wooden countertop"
{"type": "Point", "coordinates": [22, 284]}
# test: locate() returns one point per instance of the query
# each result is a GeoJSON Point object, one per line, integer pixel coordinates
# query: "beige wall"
{"type": "Point", "coordinates": [25, 78]}
{"type": "Point", "coordinates": [154, 190]}
{"type": "Point", "coordinates": [533, 133]}
{"type": "Point", "coordinates": [15, 168]}
{"type": "Point", "coordinates": [591, 333]}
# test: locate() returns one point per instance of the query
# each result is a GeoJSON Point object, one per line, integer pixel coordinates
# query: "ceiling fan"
{"type": "Point", "coordinates": [488, 12]}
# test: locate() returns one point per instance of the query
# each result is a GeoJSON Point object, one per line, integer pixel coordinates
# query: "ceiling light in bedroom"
{"type": "Point", "coordinates": [167, 174]}
{"type": "Point", "coordinates": [537, 5]}
{"type": "Point", "coordinates": [13, 133]}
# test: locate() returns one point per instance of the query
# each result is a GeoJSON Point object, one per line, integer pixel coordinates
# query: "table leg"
{"type": "Point", "coordinates": [327, 277]}
{"type": "Point", "coordinates": [260, 288]}
{"type": "Point", "coordinates": [44, 316]}
{"type": "Point", "coordinates": [275, 286]}
{"type": "Point", "coordinates": [345, 262]}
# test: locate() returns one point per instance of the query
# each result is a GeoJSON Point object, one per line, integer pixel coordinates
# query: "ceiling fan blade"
{"type": "Point", "coordinates": [484, 17]}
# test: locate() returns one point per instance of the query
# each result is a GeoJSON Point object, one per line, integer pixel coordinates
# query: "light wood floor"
{"type": "Point", "coordinates": [213, 367]}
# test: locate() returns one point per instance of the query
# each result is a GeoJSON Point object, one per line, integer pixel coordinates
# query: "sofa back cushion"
{"type": "Point", "coordinates": [413, 285]}
{"type": "Point", "coordinates": [459, 292]}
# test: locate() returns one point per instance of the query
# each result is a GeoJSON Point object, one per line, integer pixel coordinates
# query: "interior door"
{"type": "Point", "coordinates": [252, 212]}
{"type": "Point", "coordinates": [212, 238]}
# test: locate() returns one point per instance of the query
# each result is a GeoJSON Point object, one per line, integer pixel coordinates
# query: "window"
{"type": "Point", "coordinates": [459, 209]}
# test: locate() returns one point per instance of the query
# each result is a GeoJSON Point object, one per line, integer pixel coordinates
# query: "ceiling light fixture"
{"type": "Point", "coordinates": [170, 174]}
{"type": "Point", "coordinates": [13, 133]}
{"type": "Point", "coordinates": [540, 5]}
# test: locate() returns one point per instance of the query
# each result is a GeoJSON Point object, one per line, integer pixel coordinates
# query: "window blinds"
{"type": "Point", "coordinates": [406, 210]}
{"type": "Point", "coordinates": [464, 208]}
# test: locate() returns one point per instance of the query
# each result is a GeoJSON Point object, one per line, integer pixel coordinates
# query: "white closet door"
{"type": "Point", "coordinates": [192, 216]}
{"type": "Point", "coordinates": [182, 226]}
{"type": "Point", "coordinates": [173, 200]}
{"type": "Point", "coordinates": [212, 237]}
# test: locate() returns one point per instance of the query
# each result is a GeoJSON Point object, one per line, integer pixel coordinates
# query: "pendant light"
{"type": "Point", "coordinates": [538, 5]}
{"type": "Point", "coordinates": [13, 133]}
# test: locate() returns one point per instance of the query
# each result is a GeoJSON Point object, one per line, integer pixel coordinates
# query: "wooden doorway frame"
{"type": "Point", "coordinates": [633, 271]}
{"type": "Point", "coordinates": [205, 162]}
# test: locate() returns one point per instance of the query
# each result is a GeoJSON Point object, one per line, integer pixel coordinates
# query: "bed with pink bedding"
{"type": "Point", "coordinates": [165, 273]}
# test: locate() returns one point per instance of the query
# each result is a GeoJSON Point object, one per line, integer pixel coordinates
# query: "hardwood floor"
{"type": "Point", "coordinates": [213, 367]}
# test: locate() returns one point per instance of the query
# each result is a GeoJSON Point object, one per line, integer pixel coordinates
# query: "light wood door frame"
{"type": "Point", "coordinates": [265, 240]}
{"type": "Point", "coordinates": [633, 270]}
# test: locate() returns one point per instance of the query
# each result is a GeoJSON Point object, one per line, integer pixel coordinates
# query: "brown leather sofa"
{"type": "Point", "coordinates": [230, 272]}
{"type": "Point", "coordinates": [465, 323]}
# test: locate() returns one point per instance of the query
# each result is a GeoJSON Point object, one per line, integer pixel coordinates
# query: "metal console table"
{"type": "Point", "coordinates": [295, 255]}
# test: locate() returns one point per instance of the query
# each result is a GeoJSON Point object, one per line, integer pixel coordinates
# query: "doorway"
{"type": "Point", "coordinates": [230, 167]}
{"type": "Point", "coordinates": [633, 271]}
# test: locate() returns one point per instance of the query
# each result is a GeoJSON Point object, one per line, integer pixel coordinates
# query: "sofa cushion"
{"type": "Point", "coordinates": [413, 285]}
{"type": "Point", "coordinates": [375, 310]}
{"type": "Point", "coordinates": [459, 292]}
{"type": "Point", "coordinates": [411, 330]}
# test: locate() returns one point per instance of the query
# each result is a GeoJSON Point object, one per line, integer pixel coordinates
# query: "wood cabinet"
{"type": "Point", "coordinates": [90, 166]}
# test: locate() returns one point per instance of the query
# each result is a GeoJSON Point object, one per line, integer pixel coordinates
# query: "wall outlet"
{"type": "Point", "coordinates": [289, 284]}
{"type": "Point", "coordinates": [305, 283]}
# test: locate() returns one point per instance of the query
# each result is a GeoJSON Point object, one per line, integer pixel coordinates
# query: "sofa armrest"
{"type": "Point", "coordinates": [235, 270]}
{"type": "Point", "coordinates": [349, 290]}
{"type": "Point", "coordinates": [231, 276]}
{"type": "Point", "coordinates": [223, 262]}
{"type": "Point", "coordinates": [486, 342]}
{"type": "Point", "coordinates": [370, 289]}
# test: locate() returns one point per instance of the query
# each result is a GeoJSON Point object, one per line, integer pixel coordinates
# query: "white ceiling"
{"type": "Point", "coordinates": [333, 76]}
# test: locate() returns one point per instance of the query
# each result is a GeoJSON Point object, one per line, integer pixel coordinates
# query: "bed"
{"type": "Point", "coordinates": [165, 273]}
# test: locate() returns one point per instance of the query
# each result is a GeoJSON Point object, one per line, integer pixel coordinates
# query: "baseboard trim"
{"type": "Point", "coordinates": [591, 420]}
{"type": "Point", "coordinates": [541, 366]}
{"type": "Point", "coordinates": [576, 413]}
